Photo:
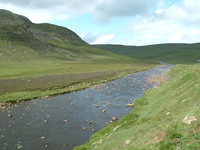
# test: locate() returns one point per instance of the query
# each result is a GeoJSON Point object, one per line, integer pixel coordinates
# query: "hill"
{"type": "Point", "coordinates": [172, 53]}
{"type": "Point", "coordinates": [22, 40]}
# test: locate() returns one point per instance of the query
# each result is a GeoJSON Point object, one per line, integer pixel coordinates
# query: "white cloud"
{"type": "Point", "coordinates": [187, 11]}
{"type": "Point", "coordinates": [103, 10]}
{"type": "Point", "coordinates": [108, 9]}
{"type": "Point", "coordinates": [178, 23]}
{"type": "Point", "coordinates": [97, 38]}
{"type": "Point", "coordinates": [36, 16]}
{"type": "Point", "coordinates": [45, 11]}
{"type": "Point", "coordinates": [90, 37]}
{"type": "Point", "coordinates": [154, 31]}
{"type": "Point", "coordinates": [104, 39]}
{"type": "Point", "coordinates": [40, 17]}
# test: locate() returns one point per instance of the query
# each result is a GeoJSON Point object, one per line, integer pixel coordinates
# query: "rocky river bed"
{"type": "Point", "coordinates": [64, 121]}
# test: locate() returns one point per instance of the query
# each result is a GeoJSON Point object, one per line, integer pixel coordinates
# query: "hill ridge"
{"type": "Point", "coordinates": [167, 52]}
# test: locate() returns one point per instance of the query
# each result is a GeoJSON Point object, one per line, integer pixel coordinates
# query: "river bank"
{"type": "Point", "coordinates": [68, 120]}
{"type": "Point", "coordinates": [167, 117]}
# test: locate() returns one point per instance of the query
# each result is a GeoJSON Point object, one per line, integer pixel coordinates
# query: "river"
{"type": "Point", "coordinates": [64, 121]}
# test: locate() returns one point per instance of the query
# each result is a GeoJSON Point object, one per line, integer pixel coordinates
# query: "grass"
{"type": "Point", "coordinates": [171, 53]}
{"type": "Point", "coordinates": [32, 80]}
{"type": "Point", "coordinates": [40, 68]}
{"type": "Point", "coordinates": [156, 121]}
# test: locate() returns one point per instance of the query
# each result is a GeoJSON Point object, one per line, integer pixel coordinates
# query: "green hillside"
{"type": "Point", "coordinates": [22, 40]}
{"type": "Point", "coordinates": [173, 53]}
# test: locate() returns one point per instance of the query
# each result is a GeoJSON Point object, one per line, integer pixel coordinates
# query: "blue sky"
{"type": "Point", "coordinates": [128, 22]}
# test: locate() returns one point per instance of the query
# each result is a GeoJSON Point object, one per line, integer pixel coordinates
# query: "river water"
{"type": "Point", "coordinates": [64, 121]}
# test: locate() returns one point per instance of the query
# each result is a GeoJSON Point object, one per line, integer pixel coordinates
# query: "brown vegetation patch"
{"type": "Point", "coordinates": [158, 78]}
{"type": "Point", "coordinates": [97, 86]}
{"type": "Point", "coordinates": [196, 130]}
{"type": "Point", "coordinates": [157, 138]}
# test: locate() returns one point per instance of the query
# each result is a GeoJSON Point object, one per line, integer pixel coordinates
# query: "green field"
{"type": "Point", "coordinates": [171, 53]}
{"type": "Point", "coordinates": [156, 121]}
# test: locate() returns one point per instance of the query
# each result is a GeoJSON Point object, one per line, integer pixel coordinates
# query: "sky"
{"type": "Point", "coordinates": [127, 22]}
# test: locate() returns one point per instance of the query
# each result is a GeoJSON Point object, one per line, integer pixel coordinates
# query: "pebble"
{"type": "Point", "coordinates": [89, 121]}
{"type": "Point", "coordinates": [127, 142]}
{"type": "Point", "coordinates": [189, 119]}
{"type": "Point", "coordinates": [130, 105]}
{"type": "Point", "coordinates": [29, 123]}
{"type": "Point", "coordinates": [9, 115]}
{"type": "Point", "coordinates": [19, 146]}
{"type": "Point", "coordinates": [27, 108]}
{"type": "Point", "coordinates": [45, 121]}
{"type": "Point", "coordinates": [45, 97]}
{"type": "Point", "coordinates": [114, 119]}
{"type": "Point", "coordinates": [103, 111]}
{"type": "Point", "coordinates": [108, 103]}
{"type": "Point", "coordinates": [95, 105]}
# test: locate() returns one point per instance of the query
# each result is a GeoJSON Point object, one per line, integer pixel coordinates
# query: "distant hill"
{"type": "Point", "coordinates": [22, 40]}
{"type": "Point", "coordinates": [173, 53]}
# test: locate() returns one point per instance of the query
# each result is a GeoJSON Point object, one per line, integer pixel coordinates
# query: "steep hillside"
{"type": "Point", "coordinates": [173, 53]}
{"type": "Point", "coordinates": [21, 40]}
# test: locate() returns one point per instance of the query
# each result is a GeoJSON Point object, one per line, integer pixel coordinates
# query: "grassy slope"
{"type": "Point", "coordinates": [156, 120]}
{"type": "Point", "coordinates": [44, 59]}
{"type": "Point", "coordinates": [173, 53]}
{"type": "Point", "coordinates": [21, 41]}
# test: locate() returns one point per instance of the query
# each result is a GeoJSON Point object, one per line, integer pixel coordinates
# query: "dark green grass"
{"type": "Point", "coordinates": [172, 53]}
{"type": "Point", "coordinates": [156, 120]}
